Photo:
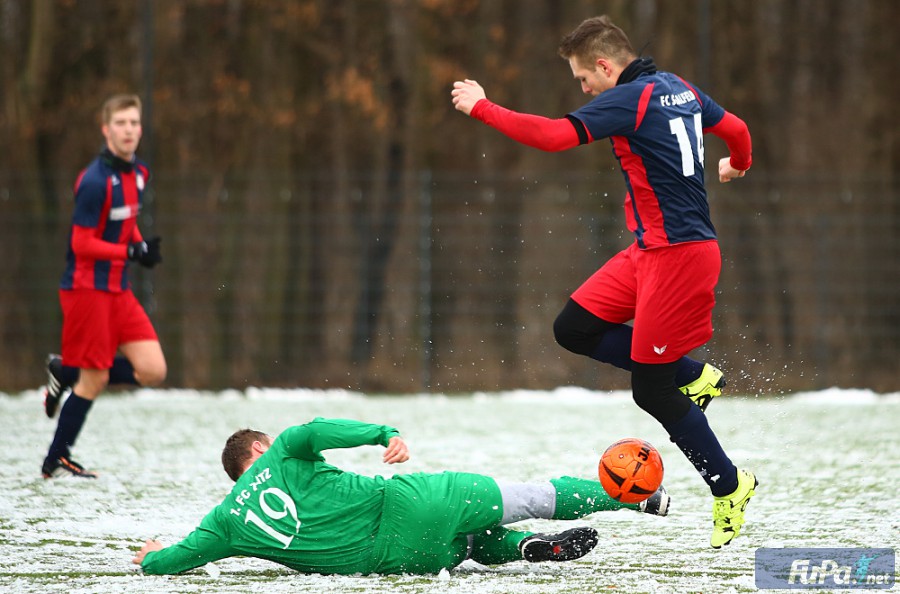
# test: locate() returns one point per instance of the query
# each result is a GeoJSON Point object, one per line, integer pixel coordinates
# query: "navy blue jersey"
{"type": "Point", "coordinates": [655, 124]}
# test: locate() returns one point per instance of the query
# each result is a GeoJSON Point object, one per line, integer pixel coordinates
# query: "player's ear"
{"type": "Point", "coordinates": [604, 66]}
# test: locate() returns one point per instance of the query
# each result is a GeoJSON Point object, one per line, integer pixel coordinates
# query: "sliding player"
{"type": "Point", "coordinates": [291, 507]}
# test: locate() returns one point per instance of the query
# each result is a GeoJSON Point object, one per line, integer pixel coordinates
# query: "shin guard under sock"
{"type": "Point", "coordinates": [577, 497]}
{"type": "Point", "coordinates": [694, 437]}
{"type": "Point", "coordinates": [71, 420]}
{"type": "Point", "coordinates": [497, 545]}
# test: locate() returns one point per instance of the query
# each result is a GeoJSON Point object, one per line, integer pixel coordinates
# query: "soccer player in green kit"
{"type": "Point", "coordinates": [291, 507]}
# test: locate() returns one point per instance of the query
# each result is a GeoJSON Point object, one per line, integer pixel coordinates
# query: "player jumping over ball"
{"type": "Point", "coordinates": [665, 280]}
{"type": "Point", "coordinates": [290, 506]}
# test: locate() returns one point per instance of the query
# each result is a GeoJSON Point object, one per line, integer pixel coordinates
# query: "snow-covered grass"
{"type": "Point", "coordinates": [828, 464]}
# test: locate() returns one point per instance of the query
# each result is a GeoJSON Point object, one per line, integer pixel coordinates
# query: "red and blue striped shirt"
{"type": "Point", "coordinates": [108, 198]}
{"type": "Point", "coordinates": [655, 123]}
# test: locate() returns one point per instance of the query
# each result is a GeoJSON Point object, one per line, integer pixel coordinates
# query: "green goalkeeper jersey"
{"type": "Point", "coordinates": [293, 508]}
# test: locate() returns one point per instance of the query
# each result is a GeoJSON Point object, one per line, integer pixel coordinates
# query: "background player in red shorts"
{"type": "Point", "coordinates": [664, 281]}
{"type": "Point", "coordinates": [101, 316]}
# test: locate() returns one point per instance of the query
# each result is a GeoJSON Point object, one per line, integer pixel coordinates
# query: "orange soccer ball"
{"type": "Point", "coordinates": [631, 470]}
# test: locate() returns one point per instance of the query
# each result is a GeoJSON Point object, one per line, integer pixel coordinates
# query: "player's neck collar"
{"type": "Point", "coordinates": [116, 162]}
{"type": "Point", "coordinates": [638, 67]}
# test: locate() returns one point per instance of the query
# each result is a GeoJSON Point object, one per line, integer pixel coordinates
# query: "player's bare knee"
{"type": "Point", "coordinates": [151, 377]}
{"type": "Point", "coordinates": [91, 383]}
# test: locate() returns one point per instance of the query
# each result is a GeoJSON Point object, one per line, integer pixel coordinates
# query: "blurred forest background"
{"type": "Point", "coordinates": [329, 220]}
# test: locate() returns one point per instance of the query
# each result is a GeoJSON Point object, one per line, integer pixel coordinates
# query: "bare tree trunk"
{"type": "Point", "coordinates": [380, 226]}
{"type": "Point", "coordinates": [31, 202]}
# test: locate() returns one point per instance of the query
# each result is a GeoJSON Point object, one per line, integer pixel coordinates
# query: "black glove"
{"type": "Point", "coordinates": [146, 253]}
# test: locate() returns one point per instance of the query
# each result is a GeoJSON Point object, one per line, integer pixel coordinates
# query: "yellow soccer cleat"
{"type": "Point", "coordinates": [728, 511]}
{"type": "Point", "coordinates": [706, 387]}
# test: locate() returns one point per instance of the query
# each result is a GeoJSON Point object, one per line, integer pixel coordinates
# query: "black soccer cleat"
{"type": "Point", "coordinates": [56, 386]}
{"type": "Point", "coordinates": [64, 466]}
{"type": "Point", "coordinates": [565, 546]}
{"type": "Point", "coordinates": [658, 503]}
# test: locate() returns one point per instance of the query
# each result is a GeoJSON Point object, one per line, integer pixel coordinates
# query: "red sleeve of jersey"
{"type": "Point", "coordinates": [736, 135]}
{"type": "Point", "coordinates": [86, 245]}
{"type": "Point", "coordinates": [535, 131]}
{"type": "Point", "coordinates": [136, 235]}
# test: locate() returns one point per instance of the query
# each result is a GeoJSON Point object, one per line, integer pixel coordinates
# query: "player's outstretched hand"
{"type": "Point", "coordinates": [149, 545]}
{"type": "Point", "coordinates": [466, 93]}
{"type": "Point", "coordinates": [396, 451]}
{"type": "Point", "coordinates": [727, 172]}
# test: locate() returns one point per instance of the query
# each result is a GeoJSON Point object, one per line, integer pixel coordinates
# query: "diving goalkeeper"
{"type": "Point", "coordinates": [291, 507]}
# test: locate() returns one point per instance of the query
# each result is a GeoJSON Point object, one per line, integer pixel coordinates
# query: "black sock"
{"type": "Point", "coordinates": [71, 419]}
{"type": "Point", "coordinates": [122, 372]}
{"type": "Point", "coordinates": [70, 375]}
{"type": "Point", "coordinates": [694, 437]}
{"type": "Point", "coordinates": [688, 371]}
{"type": "Point", "coordinates": [615, 347]}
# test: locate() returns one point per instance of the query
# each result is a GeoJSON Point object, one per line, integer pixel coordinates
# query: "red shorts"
{"type": "Point", "coordinates": [95, 323]}
{"type": "Point", "coordinates": [669, 292]}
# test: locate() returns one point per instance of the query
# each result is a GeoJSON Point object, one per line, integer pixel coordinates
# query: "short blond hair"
{"type": "Point", "coordinates": [118, 103]}
{"type": "Point", "coordinates": [594, 38]}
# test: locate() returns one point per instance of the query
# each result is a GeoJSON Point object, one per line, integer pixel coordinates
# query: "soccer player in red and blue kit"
{"type": "Point", "coordinates": [665, 280]}
{"type": "Point", "coordinates": [101, 316]}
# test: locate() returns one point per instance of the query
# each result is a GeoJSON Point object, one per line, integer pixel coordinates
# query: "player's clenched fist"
{"type": "Point", "coordinates": [466, 93]}
{"type": "Point", "coordinates": [727, 172]}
